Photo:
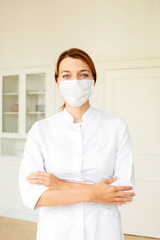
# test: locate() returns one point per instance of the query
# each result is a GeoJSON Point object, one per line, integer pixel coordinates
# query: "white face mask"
{"type": "Point", "coordinates": [76, 92]}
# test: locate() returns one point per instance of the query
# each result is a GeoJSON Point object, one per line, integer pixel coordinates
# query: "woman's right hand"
{"type": "Point", "coordinates": [103, 192]}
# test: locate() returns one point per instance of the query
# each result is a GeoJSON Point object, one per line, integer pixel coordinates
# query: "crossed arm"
{"type": "Point", "coordinates": [61, 192]}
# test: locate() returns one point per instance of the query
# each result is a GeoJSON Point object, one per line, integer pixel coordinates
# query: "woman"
{"type": "Point", "coordinates": [77, 165]}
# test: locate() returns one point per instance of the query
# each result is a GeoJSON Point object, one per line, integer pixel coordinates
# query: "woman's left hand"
{"type": "Point", "coordinates": [45, 178]}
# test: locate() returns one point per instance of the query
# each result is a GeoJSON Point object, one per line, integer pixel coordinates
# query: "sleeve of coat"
{"type": "Point", "coordinates": [124, 167]}
{"type": "Point", "coordinates": [32, 161]}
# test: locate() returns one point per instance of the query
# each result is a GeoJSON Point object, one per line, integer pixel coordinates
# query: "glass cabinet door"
{"type": "Point", "coordinates": [10, 107]}
{"type": "Point", "coordinates": [35, 98]}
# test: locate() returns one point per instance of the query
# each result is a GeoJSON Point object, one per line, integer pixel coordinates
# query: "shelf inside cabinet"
{"type": "Point", "coordinates": [10, 94]}
{"type": "Point", "coordinates": [10, 113]}
{"type": "Point", "coordinates": [35, 112]}
{"type": "Point", "coordinates": [35, 93]}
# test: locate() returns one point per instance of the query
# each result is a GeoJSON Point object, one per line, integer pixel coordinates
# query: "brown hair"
{"type": "Point", "coordinates": [75, 53]}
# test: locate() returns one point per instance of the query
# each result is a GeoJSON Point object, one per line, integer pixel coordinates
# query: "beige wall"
{"type": "Point", "coordinates": [41, 29]}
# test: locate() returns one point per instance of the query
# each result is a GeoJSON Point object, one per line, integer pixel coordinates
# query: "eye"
{"type": "Point", "coordinates": [84, 75]}
{"type": "Point", "coordinates": [65, 75]}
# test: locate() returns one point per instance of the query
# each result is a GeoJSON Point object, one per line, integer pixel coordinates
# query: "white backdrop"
{"type": "Point", "coordinates": [115, 34]}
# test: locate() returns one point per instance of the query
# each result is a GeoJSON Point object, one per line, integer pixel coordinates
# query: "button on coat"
{"type": "Point", "coordinates": [97, 148]}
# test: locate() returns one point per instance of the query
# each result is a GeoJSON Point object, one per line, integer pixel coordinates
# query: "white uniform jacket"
{"type": "Point", "coordinates": [99, 147]}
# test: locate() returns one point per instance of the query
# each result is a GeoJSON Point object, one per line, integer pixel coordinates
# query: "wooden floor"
{"type": "Point", "coordinates": [23, 230]}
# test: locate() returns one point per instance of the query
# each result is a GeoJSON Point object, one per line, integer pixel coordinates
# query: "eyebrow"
{"type": "Point", "coordinates": [79, 71]}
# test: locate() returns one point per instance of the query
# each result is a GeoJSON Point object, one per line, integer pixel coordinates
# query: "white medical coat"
{"type": "Point", "coordinates": [99, 147]}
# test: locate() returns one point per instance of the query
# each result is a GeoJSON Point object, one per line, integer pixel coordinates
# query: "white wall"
{"type": "Point", "coordinates": [42, 29]}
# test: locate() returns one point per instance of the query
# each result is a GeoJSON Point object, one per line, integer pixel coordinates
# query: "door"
{"type": "Point", "coordinates": [134, 94]}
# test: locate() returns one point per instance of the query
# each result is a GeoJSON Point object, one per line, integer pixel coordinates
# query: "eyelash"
{"type": "Point", "coordinates": [82, 74]}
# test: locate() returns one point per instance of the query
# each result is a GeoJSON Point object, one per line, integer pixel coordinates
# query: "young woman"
{"type": "Point", "coordinates": [77, 165]}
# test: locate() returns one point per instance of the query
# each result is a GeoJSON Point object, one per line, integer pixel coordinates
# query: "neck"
{"type": "Point", "coordinates": [77, 112]}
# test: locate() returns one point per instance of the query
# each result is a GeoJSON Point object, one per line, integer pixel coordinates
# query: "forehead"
{"type": "Point", "coordinates": [72, 64]}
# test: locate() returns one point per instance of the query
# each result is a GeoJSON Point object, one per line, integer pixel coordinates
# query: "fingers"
{"type": "Point", "coordinates": [39, 173]}
{"type": "Point", "coordinates": [111, 180]}
{"type": "Point", "coordinates": [42, 178]}
{"type": "Point", "coordinates": [37, 177]}
{"type": "Point", "coordinates": [122, 200]}
{"type": "Point", "coordinates": [34, 177]}
{"type": "Point", "coordinates": [123, 188]}
{"type": "Point", "coordinates": [118, 203]}
{"type": "Point", "coordinates": [125, 194]}
{"type": "Point", "coordinates": [37, 181]}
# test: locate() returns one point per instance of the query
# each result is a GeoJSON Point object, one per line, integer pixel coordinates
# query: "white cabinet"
{"type": "Point", "coordinates": [26, 95]}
